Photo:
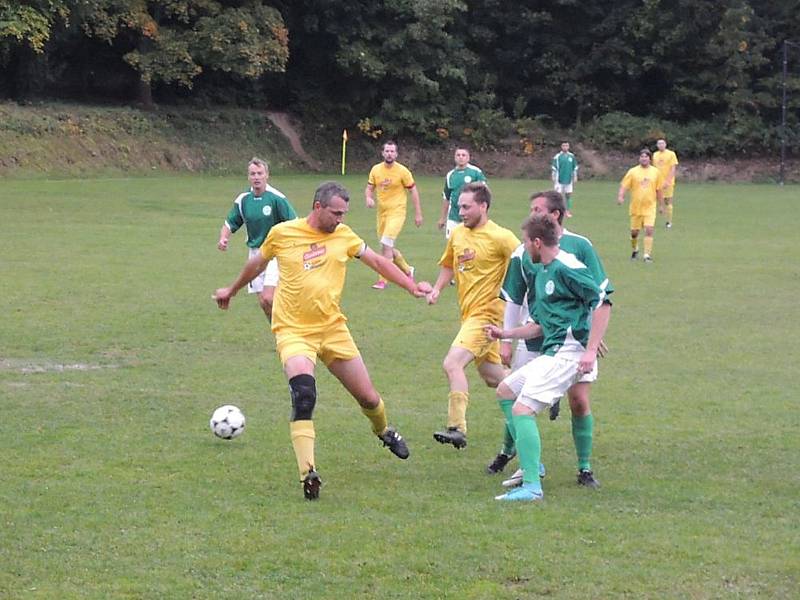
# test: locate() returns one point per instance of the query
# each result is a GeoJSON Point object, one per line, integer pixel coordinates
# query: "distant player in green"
{"type": "Point", "coordinates": [571, 316]}
{"type": "Point", "coordinates": [258, 210]}
{"type": "Point", "coordinates": [564, 170]}
{"type": "Point", "coordinates": [518, 291]}
{"type": "Point", "coordinates": [461, 175]}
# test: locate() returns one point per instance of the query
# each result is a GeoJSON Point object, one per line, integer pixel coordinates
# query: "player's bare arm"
{"type": "Point", "coordinates": [523, 332]}
{"type": "Point", "coordinates": [600, 318]}
{"type": "Point", "coordinates": [369, 195]}
{"type": "Point", "coordinates": [251, 269]}
{"type": "Point", "coordinates": [417, 206]}
{"type": "Point", "coordinates": [621, 195]}
{"type": "Point", "coordinates": [224, 236]}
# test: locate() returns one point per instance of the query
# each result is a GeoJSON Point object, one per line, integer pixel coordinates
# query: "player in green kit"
{"type": "Point", "coordinates": [518, 289]}
{"type": "Point", "coordinates": [564, 171]}
{"type": "Point", "coordinates": [258, 210]}
{"type": "Point", "coordinates": [457, 178]}
{"type": "Point", "coordinates": [571, 315]}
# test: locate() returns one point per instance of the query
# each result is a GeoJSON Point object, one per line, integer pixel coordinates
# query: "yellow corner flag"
{"type": "Point", "coordinates": [344, 149]}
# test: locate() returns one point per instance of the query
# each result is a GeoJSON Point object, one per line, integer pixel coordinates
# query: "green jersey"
{"type": "Point", "coordinates": [564, 166]}
{"type": "Point", "coordinates": [566, 296]}
{"type": "Point", "coordinates": [454, 181]}
{"type": "Point", "coordinates": [259, 214]}
{"type": "Point", "coordinates": [518, 286]}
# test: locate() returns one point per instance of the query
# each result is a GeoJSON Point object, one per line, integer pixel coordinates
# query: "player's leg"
{"type": "Point", "coordinates": [299, 371]}
{"type": "Point", "coordinates": [582, 431]}
{"type": "Point", "coordinates": [648, 239]}
{"type": "Point", "coordinates": [454, 366]}
{"type": "Point", "coordinates": [669, 192]}
{"type": "Point", "coordinates": [391, 233]}
{"type": "Point", "coordinates": [529, 448]}
{"type": "Point", "coordinates": [341, 356]}
{"type": "Point", "coordinates": [635, 228]}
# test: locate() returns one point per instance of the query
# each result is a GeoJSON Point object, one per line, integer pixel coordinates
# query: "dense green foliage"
{"type": "Point", "coordinates": [432, 68]}
{"type": "Point", "coordinates": [114, 356]}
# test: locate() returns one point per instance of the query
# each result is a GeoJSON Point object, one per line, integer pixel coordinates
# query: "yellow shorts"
{"type": "Point", "coordinates": [669, 191]}
{"type": "Point", "coordinates": [640, 221]}
{"type": "Point", "coordinates": [390, 224]}
{"type": "Point", "coordinates": [472, 337]}
{"type": "Point", "coordinates": [330, 344]}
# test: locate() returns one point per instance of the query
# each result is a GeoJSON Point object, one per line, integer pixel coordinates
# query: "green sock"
{"type": "Point", "coordinates": [582, 431]}
{"type": "Point", "coordinates": [529, 447]}
{"type": "Point", "coordinates": [569, 202]}
{"type": "Point", "coordinates": [508, 431]}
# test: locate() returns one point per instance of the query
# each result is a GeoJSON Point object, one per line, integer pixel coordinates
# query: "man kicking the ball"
{"type": "Point", "coordinates": [308, 322]}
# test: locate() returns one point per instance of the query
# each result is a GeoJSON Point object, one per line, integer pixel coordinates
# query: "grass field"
{"type": "Point", "coordinates": [113, 356]}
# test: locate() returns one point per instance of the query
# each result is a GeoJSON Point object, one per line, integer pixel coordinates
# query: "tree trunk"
{"type": "Point", "coordinates": [144, 94]}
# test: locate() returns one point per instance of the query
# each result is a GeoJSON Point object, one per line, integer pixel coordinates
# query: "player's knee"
{"type": "Point", "coordinates": [304, 396]}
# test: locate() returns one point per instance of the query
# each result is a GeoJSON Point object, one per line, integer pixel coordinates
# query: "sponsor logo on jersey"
{"type": "Point", "coordinates": [467, 178]}
{"type": "Point", "coordinates": [267, 210]}
{"type": "Point", "coordinates": [315, 252]}
{"type": "Point", "coordinates": [466, 257]}
{"type": "Point", "coordinates": [549, 287]}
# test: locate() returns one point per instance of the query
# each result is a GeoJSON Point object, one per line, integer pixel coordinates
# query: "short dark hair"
{"type": "Point", "coordinates": [327, 190]}
{"type": "Point", "coordinates": [646, 151]}
{"type": "Point", "coordinates": [390, 143]}
{"type": "Point", "coordinates": [480, 191]}
{"type": "Point", "coordinates": [555, 201]}
{"type": "Point", "coordinates": [542, 227]}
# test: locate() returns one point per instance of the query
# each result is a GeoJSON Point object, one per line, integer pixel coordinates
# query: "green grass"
{"type": "Point", "coordinates": [113, 357]}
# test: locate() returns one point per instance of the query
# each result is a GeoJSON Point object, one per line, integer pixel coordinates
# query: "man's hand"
{"type": "Point", "coordinates": [370, 202]}
{"type": "Point", "coordinates": [418, 219]}
{"type": "Point", "coordinates": [223, 297]}
{"type": "Point", "coordinates": [423, 289]}
{"type": "Point", "coordinates": [586, 363]}
{"type": "Point", "coordinates": [222, 244]}
{"type": "Point", "coordinates": [432, 296]}
{"type": "Point", "coordinates": [493, 332]}
{"type": "Point", "coordinates": [440, 224]}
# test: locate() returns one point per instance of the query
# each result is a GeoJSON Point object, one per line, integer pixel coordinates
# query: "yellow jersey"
{"type": "Point", "coordinates": [664, 160]}
{"type": "Point", "coordinates": [479, 258]}
{"type": "Point", "coordinates": [312, 266]}
{"type": "Point", "coordinates": [390, 185]}
{"type": "Point", "coordinates": [643, 184]}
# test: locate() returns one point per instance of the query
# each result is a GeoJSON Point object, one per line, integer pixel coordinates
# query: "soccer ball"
{"type": "Point", "coordinates": [227, 422]}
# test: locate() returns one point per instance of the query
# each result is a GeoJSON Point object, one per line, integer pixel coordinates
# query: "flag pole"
{"type": "Point", "coordinates": [344, 150]}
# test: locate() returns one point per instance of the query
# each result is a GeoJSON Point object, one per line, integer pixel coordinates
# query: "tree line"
{"type": "Point", "coordinates": [427, 68]}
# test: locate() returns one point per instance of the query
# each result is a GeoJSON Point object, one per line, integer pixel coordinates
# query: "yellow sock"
{"type": "Point", "coordinates": [669, 212]}
{"type": "Point", "coordinates": [376, 416]}
{"type": "Point", "coordinates": [457, 410]}
{"type": "Point", "coordinates": [648, 246]}
{"type": "Point", "coordinates": [401, 263]}
{"type": "Point", "coordinates": [634, 243]}
{"type": "Point", "coordinates": [303, 443]}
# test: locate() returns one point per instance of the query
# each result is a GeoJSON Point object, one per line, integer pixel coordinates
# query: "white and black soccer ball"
{"type": "Point", "coordinates": [227, 422]}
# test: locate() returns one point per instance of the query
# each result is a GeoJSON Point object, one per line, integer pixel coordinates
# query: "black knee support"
{"type": "Point", "coordinates": [304, 396]}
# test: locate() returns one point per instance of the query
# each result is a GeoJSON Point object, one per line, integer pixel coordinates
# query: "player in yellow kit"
{"type": "Point", "coordinates": [646, 185]}
{"type": "Point", "coordinates": [390, 181]}
{"type": "Point", "coordinates": [476, 255]}
{"type": "Point", "coordinates": [308, 322]}
{"type": "Point", "coordinates": [666, 161]}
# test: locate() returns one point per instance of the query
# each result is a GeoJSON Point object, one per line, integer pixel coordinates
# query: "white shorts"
{"type": "Point", "coordinates": [267, 278]}
{"type": "Point", "coordinates": [448, 229]}
{"type": "Point", "coordinates": [522, 356]}
{"type": "Point", "coordinates": [545, 379]}
{"type": "Point", "coordinates": [563, 188]}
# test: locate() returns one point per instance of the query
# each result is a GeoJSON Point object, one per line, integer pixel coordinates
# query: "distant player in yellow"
{"type": "Point", "coordinates": [646, 185]}
{"type": "Point", "coordinates": [308, 322]}
{"type": "Point", "coordinates": [391, 181]}
{"type": "Point", "coordinates": [666, 161]}
{"type": "Point", "coordinates": [476, 255]}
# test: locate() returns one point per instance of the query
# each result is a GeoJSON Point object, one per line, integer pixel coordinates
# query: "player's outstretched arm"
{"type": "Point", "coordinates": [251, 269]}
{"type": "Point", "coordinates": [524, 332]}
